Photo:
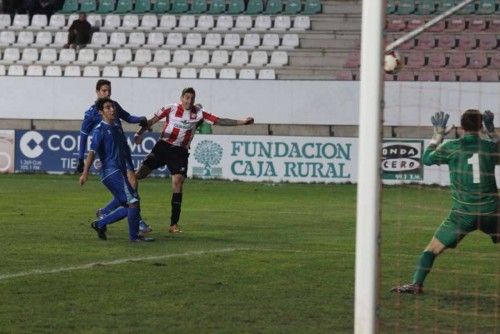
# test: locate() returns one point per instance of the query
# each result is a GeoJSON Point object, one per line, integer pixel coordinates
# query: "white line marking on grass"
{"type": "Point", "coordinates": [118, 261]}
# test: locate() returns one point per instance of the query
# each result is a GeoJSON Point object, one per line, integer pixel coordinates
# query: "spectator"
{"type": "Point", "coordinates": [79, 32]}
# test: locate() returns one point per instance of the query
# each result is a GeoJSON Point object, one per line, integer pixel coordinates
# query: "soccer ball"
{"type": "Point", "coordinates": [392, 62]}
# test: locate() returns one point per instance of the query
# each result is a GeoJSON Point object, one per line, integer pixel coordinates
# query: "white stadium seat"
{"type": "Point", "coordinates": [47, 56]}
{"type": "Point", "coordinates": [43, 38]}
{"type": "Point", "coordinates": [34, 71]}
{"type": "Point", "coordinates": [168, 72]}
{"type": "Point", "coordinates": [301, 23]}
{"type": "Point", "coordinates": [167, 22]}
{"type": "Point", "coordinates": [200, 57]}
{"type": "Point", "coordinates": [258, 59]}
{"type": "Point", "coordinates": [20, 22]}
{"type": "Point", "coordinates": [186, 22]}
{"type": "Point", "coordinates": [281, 23]}
{"type": "Point", "coordinates": [53, 71]}
{"type": "Point", "coordinates": [148, 22]}
{"type": "Point", "coordinates": [231, 41]}
{"type": "Point", "coordinates": [193, 40]}
{"type": "Point", "coordinates": [4, 21]}
{"type": "Point", "coordinates": [247, 74]}
{"type": "Point", "coordinates": [60, 39]}
{"type": "Point", "coordinates": [267, 74]}
{"type": "Point", "coordinates": [85, 56]}
{"type": "Point", "coordinates": [71, 18]}
{"type": "Point", "coordinates": [262, 23]}
{"type": "Point", "coordinates": [38, 21]}
{"type": "Point", "coordinates": [149, 72]}
{"type": "Point", "coordinates": [239, 58]}
{"type": "Point", "coordinates": [10, 56]}
{"type": "Point", "coordinates": [66, 56]}
{"type": "Point", "coordinates": [180, 57]}
{"type": "Point", "coordinates": [104, 56]}
{"type": "Point", "coordinates": [205, 22]}
{"type": "Point", "coordinates": [188, 73]}
{"type": "Point", "coordinates": [130, 21]}
{"type": "Point", "coordinates": [136, 39]}
{"type": "Point", "coordinates": [227, 73]}
{"type": "Point", "coordinates": [161, 57]}
{"type": "Point", "coordinates": [219, 58]}
{"type": "Point", "coordinates": [270, 41]}
{"type": "Point", "coordinates": [224, 23]}
{"type": "Point", "coordinates": [117, 39]}
{"type": "Point", "coordinates": [208, 73]}
{"type": "Point", "coordinates": [91, 71]}
{"type": "Point", "coordinates": [130, 72]}
{"type": "Point", "coordinates": [7, 38]}
{"type": "Point", "coordinates": [25, 38]}
{"type": "Point", "coordinates": [142, 57]}
{"type": "Point", "coordinates": [278, 58]}
{"type": "Point", "coordinates": [155, 39]}
{"type": "Point", "coordinates": [3, 72]}
{"type": "Point", "coordinates": [98, 40]}
{"type": "Point", "coordinates": [95, 20]}
{"type": "Point", "coordinates": [29, 56]}
{"type": "Point", "coordinates": [289, 41]}
{"type": "Point", "coordinates": [122, 57]}
{"type": "Point", "coordinates": [57, 22]}
{"type": "Point", "coordinates": [15, 70]}
{"type": "Point", "coordinates": [72, 71]}
{"type": "Point", "coordinates": [111, 22]}
{"type": "Point", "coordinates": [250, 41]}
{"type": "Point", "coordinates": [243, 23]}
{"type": "Point", "coordinates": [174, 40]}
{"type": "Point", "coordinates": [212, 41]}
{"type": "Point", "coordinates": [110, 71]}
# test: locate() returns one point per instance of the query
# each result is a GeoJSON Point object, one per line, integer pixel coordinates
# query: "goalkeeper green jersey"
{"type": "Point", "coordinates": [471, 161]}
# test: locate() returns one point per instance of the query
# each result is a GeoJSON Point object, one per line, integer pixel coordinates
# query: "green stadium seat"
{"type": "Point", "coordinates": [406, 7]}
{"type": "Point", "coordinates": [161, 6]}
{"type": "Point", "coordinates": [444, 5]}
{"type": "Point", "coordinates": [390, 7]}
{"type": "Point", "coordinates": [293, 7]}
{"type": "Point", "coordinates": [217, 7]}
{"type": "Point", "coordinates": [88, 6]}
{"type": "Point", "coordinates": [70, 6]}
{"type": "Point", "coordinates": [106, 6]}
{"type": "Point", "coordinates": [274, 7]}
{"type": "Point", "coordinates": [198, 7]}
{"type": "Point", "coordinates": [467, 10]}
{"type": "Point", "coordinates": [312, 7]}
{"type": "Point", "coordinates": [486, 7]}
{"type": "Point", "coordinates": [179, 6]}
{"type": "Point", "coordinates": [123, 6]}
{"type": "Point", "coordinates": [142, 6]}
{"type": "Point", "coordinates": [254, 7]}
{"type": "Point", "coordinates": [236, 7]}
{"type": "Point", "coordinates": [426, 7]}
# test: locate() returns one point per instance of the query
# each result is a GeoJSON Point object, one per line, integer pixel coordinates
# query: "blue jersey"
{"type": "Point", "coordinates": [109, 143]}
{"type": "Point", "coordinates": [93, 118]}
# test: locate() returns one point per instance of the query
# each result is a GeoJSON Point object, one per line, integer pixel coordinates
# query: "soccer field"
{"type": "Point", "coordinates": [254, 258]}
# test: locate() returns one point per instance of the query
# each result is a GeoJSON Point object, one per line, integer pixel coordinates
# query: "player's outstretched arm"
{"type": "Point", "coordinates": [234, 122]}
{"type": "Point", "coordinates": [489, 126]}
{"type": "Point", "coordinates": [439, 121]}
{"type": "Point", "coordinates": [85, 174]}
{"type": "Point", "coordinates": [145, 127]}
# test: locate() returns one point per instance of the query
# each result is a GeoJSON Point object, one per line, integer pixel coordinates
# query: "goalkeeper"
{"type": "Point", "coordinates": [471, 161]}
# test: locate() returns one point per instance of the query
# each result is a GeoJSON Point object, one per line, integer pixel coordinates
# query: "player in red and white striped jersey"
{"type": "Point", "coordinates": [172, 149]}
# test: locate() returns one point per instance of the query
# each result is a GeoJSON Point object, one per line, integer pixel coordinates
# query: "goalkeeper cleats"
{"type": "Point", "coordinates": [101, 232]}
{"type": "Point", "coordinates": [144, 228]}
{"type": "Point", "coordinates": [413, 289]}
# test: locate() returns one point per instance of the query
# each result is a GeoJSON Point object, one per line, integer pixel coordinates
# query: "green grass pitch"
{"type": "Point", "coordinates": [253, 258]}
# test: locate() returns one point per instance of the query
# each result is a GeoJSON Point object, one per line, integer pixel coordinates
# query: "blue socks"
{"type": "Point", "coordinates": [113, 217]}
{"type": "Point", "coordinates": [133, 222]}
{"type": "Point", "coordinates": [110, 207]}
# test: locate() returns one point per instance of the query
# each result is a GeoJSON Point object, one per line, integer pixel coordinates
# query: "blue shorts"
{"type": "Point", "coordinates": [117, 183]}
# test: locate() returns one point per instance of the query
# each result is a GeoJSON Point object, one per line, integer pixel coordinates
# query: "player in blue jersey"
{"type": "Point", "coordinates": [91, 120]}
{"type": "Point", "coordinates": [110, 145]}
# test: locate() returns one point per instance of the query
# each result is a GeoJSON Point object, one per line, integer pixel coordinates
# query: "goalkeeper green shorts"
{"type": "Point", "coordinates": [459, 224]}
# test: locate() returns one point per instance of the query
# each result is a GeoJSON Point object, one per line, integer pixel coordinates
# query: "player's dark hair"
{"type": "Point", "coordinates": [471, 120]}
{"type": "Point", "coordinates": [100, 103]}
{"type": "Point", "coordinates": [102, 82]}
{"type": "Point", "coordinates": [188, 90]}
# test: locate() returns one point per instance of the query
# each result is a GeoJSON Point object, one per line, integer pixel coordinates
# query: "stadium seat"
{"type": "Point", "coordinates": [20, 22]}
{"type": "Point", "coordinates": [104, 56]}
{"type": "Point", "coordinates": [344, 75]}
{"type": "Point", "coordinates": [254, 7]}
{"type": "Point", "coordinates": [212, 41]}
{"type": "Point", "coordinates": [200, 57]}
{"type": "Point", "coordinates": [57, 22]}
{"type": "Point", "coordinates": [258, 59]}
{"type": "Point", "coordinates": [293, 7]}
{"type": "Point", "coordinates": [495, 60]}
{"type": "Point", "coordinates": [415, 60]}
{"type": "Point", "coordinates": [395, 25]}
{"type": "Point", "coordinates": [444, 5]}
{"type": "Point", "coordinates": [122, 57]}
{"type": "Point", "coordinates": [70, 6]}
{"type": "Point", "coordinates": [414, 23]}
{"type": "Point", "coordinates": [408, 45]}
{"type": "Point", "coordinates": [72, 71]}
{"type": "Point", "coordinates": [91, 71]}
{"type": "Point", "coordinates": [10, 56]}
{"type": "Point", "coordinates": [478, 60]}
{"type": "Point", "coordinates": [488, 42]}
{"type": "Point", "coordinates": [15, 70]}
{"type": "Point", "coordinates": [25, 38]}
{"type": "Point", "coordinates": [289, 41]}
{"type": "Point", "coordinates": [267, 74]}
{"type": "Point", "coordinates": [130, 21]}
{"type": "Point", "coordinates": [239, 58]}
{"type": "Point", "coordinates": [224, 23]}
{"type": "Point", "coordinates": [88, 6]}
{"type": "Point", "coordinates": [438, 27]}
{"type": "Point", "coordinates": [312, 7]}
{"type": "Point", "coordinates": [98, 40]}
{"type": "Point", "coordinates": [243, 23]}
{"type": "Point", "coordinates": [161, 57]}
{"type": "Point", "coordinates": [207, 73]}
{"type": "Point", "coordinates": [179, 6]}
{"type": "Point", "coordinates": [53, 71]}
{"type": "Point", "coordinates": [188, 73]}
{"type": "Point", "coordinates": [301, 23]}
{"type": "Point", "coordinates": [198, 7]}
{"type": "Point", "coordinates": [250, 41]}
{"type": "Point", "coordinates": [231, 41]}
{"type": "Point", "coordinates": [142, 57]}
{"type": "Point", "coordinates": [477, 25]}
{"type": "Point", "coordinates": [155, 39]}
{"type": "Point", "coordinates": [34, 71]}
{"type": "Point", "coordinates": [149, 72]}
{"type": "Point", "coordinates": [468, 9]}
{"type": "Point", "coordinates": [3, 72]}
{"type": "Point", "coordinates": [123, 6]}
{"type": "Point", "coordinates": [456, 24]}
{"type": "Point", "coordinates": [247, 74]}
{"type": "Point", "coordinates": [352, 60]}
{"type": "Point", "coordinates": [38, 21]}
{"type": "Point", "coordinates": [28, 57]}
{"type": "Point", "coordinates": [446, 42]}
{"type": "Point", "coordinates": [236, 7]}
{"type": "Point", "coordinates": [278, 59]}
{"type": "Point", "coordinates": [4, 21]}
{"type": "Point", "coordinates": [457, 60]}
{"type": "Point", "coordinates": [262, 23]}
{"type": "Point", "coordinates": [448, 75]}
{"type": "Point", "coordinates": [205, 23]}
{"type": "Point", "coordinates": [117, 39]}
{"type": "Point", "coordinates": [227, 73]}
{"type": "Point", "coordinates": [426, 75]}
{"type": "Point", "coordinates": [66, 57]}
{"type": "Point", "coordinates": [193, 40]}
{"type": "Point", "coordinates": [106, 6]}
{"type": "Point", "coordinates": [142, 6]}
{"type": "Point", "coordinates": [168, 72]}
{"type": "Point", "coordinates": [167, 22]}
{"type": "Point", "coordinates": [7, 38]}
{"type": "Point", "coordinates": [174, 40]}
{"type": "Point", "coordinates": [405, 7]}
{"type": "Point", "coordinates": [180, 58]}
{"type": "Point", "coordinates": [161, 6]}
{"type": "Point", "coordinates": [425, 42]}
{"type": "Point", "coordinates": [47, 56]}
{"type": "Point", "coordinates": [489, 76]}
{"type": "Point", "coordinates": [136, 39]}
{"type": "Point", "coordinates": [426, 7]}
{"type": "Point", "coordinates": [85, 56]}
{"type": "Point", "coordinates": [219, 58]}
{"type": "Point", "coordinates": [406, 75]}
{"type": "Point", "coordinates": [270, 42]}
{"type": "Point", "coordinates": [111, 22]}
{"type": "Point", "coordinates": [186, 22]}
{"type": "Point", "coordinates": [486, 7]}
{"type": "Point", "coordinates": [494, 25]}
{"type": "Point", "coordinates": [71, 18]}
{"type": "Point", "coordinates": [111, 71]}
{"type": "Point", "coordinates": [217, 7]}
{"type": "Point", "coordinates": [466, 42]}
{"type": "Point", "coordinates": [43, 38]}
{"type": "Point", "coordinates": [148, 22]}
{"type": "Point", "coordinates": [130, 72]}
{"type": "Point", "coordinates": [436, 60]}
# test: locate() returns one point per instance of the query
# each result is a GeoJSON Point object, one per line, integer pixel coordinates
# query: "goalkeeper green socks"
{"type": "Point", "coordinates": [424, 266]}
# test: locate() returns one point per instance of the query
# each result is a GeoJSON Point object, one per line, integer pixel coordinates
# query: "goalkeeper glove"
{"type": "Point", "coordinates": [143, 121]}
{"type": "Point", "coordinates": [439, 121]}
{"type": "Point", "coordinates": [79, 168]}
{"type": "Point", "coordinates": [488, 117]}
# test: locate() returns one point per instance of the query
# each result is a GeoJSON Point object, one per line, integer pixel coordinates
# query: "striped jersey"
{"type": "Point", "coordinates": [180, 125]}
